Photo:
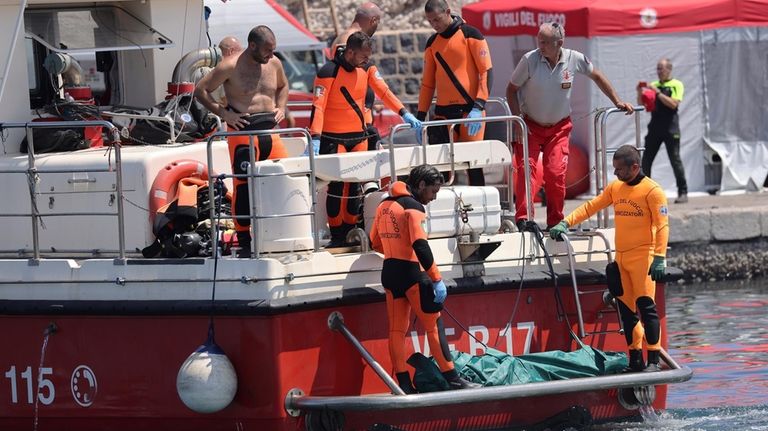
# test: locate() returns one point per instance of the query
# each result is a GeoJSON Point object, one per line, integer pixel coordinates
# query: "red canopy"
{"type": "Point", "coordinates": [587, 18]}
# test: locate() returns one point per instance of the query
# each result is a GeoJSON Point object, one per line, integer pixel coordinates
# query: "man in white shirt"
{"type": "Point", "coordinates": [543, 78]}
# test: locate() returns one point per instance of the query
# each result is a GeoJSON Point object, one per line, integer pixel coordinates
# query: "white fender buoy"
{"type": "Point", "coordinates": [207, 381]}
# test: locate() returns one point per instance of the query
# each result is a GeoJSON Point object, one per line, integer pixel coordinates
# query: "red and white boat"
{"type": "Point", "coordinates": [94, 335]}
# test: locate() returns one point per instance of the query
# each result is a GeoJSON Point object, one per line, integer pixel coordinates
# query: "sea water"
{"type": "Point", "coordinates": [720, 330]}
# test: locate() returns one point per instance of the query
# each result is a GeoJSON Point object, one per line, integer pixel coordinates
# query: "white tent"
{"type": "Point", "coordinates": [238, 17]}
{"type": "Point", "coordinates": [718, 49]}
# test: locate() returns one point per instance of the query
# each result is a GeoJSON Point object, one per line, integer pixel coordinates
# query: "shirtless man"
{"type": "Point", "coordinates": [367, 19]}
{"type": "Point", "coordinates": [229, 46]}
{"type": "Point", "coordinates": [256, 91]}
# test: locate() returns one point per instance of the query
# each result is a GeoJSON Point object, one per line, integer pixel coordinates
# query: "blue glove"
{"type": "Point", "coordinates": [440, 291]}
{"type": "Point", "coordinates": [415, 125]}
{"type": "Point", "coordinates": [658, 267]}
{"type": "Point", "coordinates": [473, 128]}
{"type": "Point", "coordinates": [315, 144]}
{"type": "Point", "coordinates": [558, 229]}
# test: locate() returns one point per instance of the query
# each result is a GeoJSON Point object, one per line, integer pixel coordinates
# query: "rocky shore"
{"type": "Point", "coordinates": [399, 15]}
{"type": "Point", "coordinates": [714, 261]}
{"type": "Point", "coordinates": [712, 238]}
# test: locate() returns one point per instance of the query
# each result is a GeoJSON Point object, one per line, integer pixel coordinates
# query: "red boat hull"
{"type": "Point", "coordinates": [134, 359]}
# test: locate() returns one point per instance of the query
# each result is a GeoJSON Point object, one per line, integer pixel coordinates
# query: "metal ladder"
{"type": "Point", "coordinates": [601, 182]}
{"type": "Point", "coordinates": [577, 293]}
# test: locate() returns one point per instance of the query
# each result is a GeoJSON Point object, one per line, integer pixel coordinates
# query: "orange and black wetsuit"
{"type": "Point", "coordinates": [457, 64]}
{"type": "Point", "coordinates": [398, 233]}
{"type": "Point", "coordinates": [337, 117]}
{"type": "Point", "coordinates": [370, 98]}
{"type": "Point", "coordinates": [265, 147]}
{"type": "Point", "coordinates": [642, 232]}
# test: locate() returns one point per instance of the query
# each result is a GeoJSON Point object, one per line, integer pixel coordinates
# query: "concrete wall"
{"type": "Point", "coordinates": [719, 224]}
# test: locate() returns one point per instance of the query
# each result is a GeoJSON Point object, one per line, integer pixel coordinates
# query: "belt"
{"type": "Point", "coordinates": [547, 125]}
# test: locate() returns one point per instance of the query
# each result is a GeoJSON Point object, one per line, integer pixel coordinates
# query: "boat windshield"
{"type": "Point", "coordinates": [91, 28]}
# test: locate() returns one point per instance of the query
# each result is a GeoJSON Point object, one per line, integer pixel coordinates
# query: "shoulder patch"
{"type": "Point", "coordinates": [664, 211]}
{"type": "Point", "coordinates": [319, 91]}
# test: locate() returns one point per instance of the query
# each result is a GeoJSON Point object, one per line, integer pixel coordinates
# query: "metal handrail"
{"type": "Point", "coordinates": [601, 153]}
{"type": "Point", "coordinates": [509, 119]}
{"type": "Point", "coordinates": [251, 177]}
{"type": "Point", "coordinates": [336, 323]}
{"type": "Point", "coordinates": [572, 270]}
{"type": "Point", "coordinates": [502, 102]}
{"type": "Point", "coordinates": [32, 170]}
{"type": "Point", "coordinates": [675, 374]}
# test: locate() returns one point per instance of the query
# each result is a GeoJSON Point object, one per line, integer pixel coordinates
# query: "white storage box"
{"type": "Point", "coordinates": [444, 213]}
{"type": "Point", "coordinates": [281, 195]}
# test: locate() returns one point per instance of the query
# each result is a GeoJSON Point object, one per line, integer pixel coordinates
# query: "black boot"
{"type": "Point", "coordinates": [456, 382]}
{"type": "Point", "coordinates": [636, 364]}
{"type": "Point", "coordinates": [404, 381]}
{"type": "Point", "coordinates": [653, 361]}
{"type": "Point", "coordinates": [244, 242]}
{"type": "Point", "coordinates": [339, 236]}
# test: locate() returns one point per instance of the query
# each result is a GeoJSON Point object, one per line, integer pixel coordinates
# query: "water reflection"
{"type": "Point", "coordinates": [720, 330]}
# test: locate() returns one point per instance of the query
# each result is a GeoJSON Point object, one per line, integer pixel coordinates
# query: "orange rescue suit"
{"type": "Point", "coordinates": [338, 118]}
{"type": "Point", "coordinates": [457, 64]}
{"type": "Point", "coordinates": [407, 274]}
{"type": "Point", "coordinates": [339, 99]}
{"type": "Point", "coordinates": [370, 97]}
{"type": "Point", "coordinates": [642, 232]}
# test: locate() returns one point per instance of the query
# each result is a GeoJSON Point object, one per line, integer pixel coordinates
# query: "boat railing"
{"type": "Point", "coordinates": [510, 120]}
{"type": "Point", "coordinates": [336, 323]}
{"type": "Point", "coordinates": [252, 177]}
{"type": "Point", "coordinates": [296, 402]}
{"type": "Point", "coordinates": [601, 152]}
{"type": "Point", "coordinates": [502, 103]}
{"type": "Point", "coordinates": [32, 172]}
{"type": "Point", "coordinates": [583, 235]}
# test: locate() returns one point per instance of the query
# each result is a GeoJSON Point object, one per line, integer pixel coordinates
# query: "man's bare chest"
{"type": "Point", "coordinates": [263, 81]}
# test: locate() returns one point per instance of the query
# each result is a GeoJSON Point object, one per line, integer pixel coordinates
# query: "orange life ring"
{"type": "Point", "coordinates": [167, 180]}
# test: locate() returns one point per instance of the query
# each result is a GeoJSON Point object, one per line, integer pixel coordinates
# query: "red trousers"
{"type": "Point", "coordinates": [552, 142]}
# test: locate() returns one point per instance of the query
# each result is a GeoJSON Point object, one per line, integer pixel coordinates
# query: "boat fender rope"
{"type": "Point", "coordinates": [219, 186]}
